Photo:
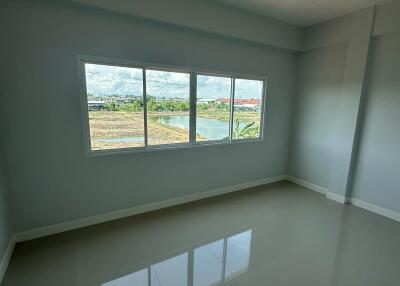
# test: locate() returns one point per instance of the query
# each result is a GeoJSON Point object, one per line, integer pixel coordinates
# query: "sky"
{"type": "Point", "coordinates": [109, 80]}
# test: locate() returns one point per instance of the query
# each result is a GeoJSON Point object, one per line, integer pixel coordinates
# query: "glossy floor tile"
{"type": "Point", "coordinates": [279, 234]}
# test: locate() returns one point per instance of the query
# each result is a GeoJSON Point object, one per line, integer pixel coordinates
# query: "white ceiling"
{"type": "Point", "coordinates": [303, 12]}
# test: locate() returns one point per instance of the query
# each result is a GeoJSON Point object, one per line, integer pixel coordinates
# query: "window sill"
{"type": "Point", "coordinates": [167, 147]}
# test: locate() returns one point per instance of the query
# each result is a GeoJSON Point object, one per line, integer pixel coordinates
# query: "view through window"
{"type": "Point", "coordinates": [247, 109]}
{"type": "Point", "coordinates": [213, 108]}
{"type": "Point", "coordinates": [168, 95]}
{"type": "Point", "coordinates": [115, 106]}
{"type": "Point", "coordinates": [176, 107]}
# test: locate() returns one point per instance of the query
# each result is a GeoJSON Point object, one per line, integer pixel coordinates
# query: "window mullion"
{"type": "Point", "coordinates": [231, 109]}
{"type": "Point", "coordinates": [262, 115]}
{"type": "Point", "coordinates": [223, 272]}
{"type": "Point", "coordinates": [192, 108]}
{"type": "Point", "coordinates": [145, 108]}
{"type": "Point", "coordinates": [190, 267]}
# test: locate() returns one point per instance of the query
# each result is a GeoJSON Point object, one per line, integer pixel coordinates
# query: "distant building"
{"type": "Point", "coordinates": [245, 104]}
{"type": "Point", "coordinates": [96, 105]}
{"type": "Point", "coordinates": [121, 100]}
{"type": "Point", "coordinates": [224, 100]}
{"type": "Point", "coordinates": [247, 107]}
{"type": "Point", "coordinates": [206, 100]}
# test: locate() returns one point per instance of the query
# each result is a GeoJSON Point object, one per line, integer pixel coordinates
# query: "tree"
{"type": "Point", "coordinates": [111, 106]}
{"type": "Point", "coordinates": [248, 131]}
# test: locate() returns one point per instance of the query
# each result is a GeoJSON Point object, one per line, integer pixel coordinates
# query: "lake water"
{"type": "Point", "coordinates": [211, 129]}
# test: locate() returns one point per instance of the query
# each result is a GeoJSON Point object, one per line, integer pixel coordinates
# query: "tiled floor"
{"type": "Point", "coordinates": [280, 234]}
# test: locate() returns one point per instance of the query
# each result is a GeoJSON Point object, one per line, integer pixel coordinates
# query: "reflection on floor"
{"type": "Point", "coordinates": [279, 234]}
{"type": "Point", "coordinates": [210, 264]}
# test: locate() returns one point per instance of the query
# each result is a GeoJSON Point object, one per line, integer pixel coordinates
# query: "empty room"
{"type": "Point", "coordinates": [199, 143]}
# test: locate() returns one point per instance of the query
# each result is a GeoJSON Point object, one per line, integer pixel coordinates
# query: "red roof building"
{"type": "Point", "coordinates": [253, 101]}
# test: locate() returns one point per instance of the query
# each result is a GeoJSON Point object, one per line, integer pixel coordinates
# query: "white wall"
{"type": "Point", "coordinates": [377, 172]}
{"type": "Point", "coordinates": [318, 93]}
{"type": "Point", "coordinates": [209, 16]}
{"type": "Point", "coordinates": [321, 113]}
{"type": "Point", "coordinates": [51, 179]}
{"type": "Point", "coordinates": [317, 100]}
{"type": "Point", "coordinates": [326, 34]}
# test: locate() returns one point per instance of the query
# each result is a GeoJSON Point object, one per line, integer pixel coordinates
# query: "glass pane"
{"type": "Point", "coordinates": [168, 96]}
{"type": "Point", "coordinates": [247, 109]}
{"type": "Point", "coordinates": [213, 108]}
{"type": "Point", "coordinates": [237, 254]}
{"type": "Point", "coordinates": [139, 278]}
{"type": "Point", "coordinates": [170, 272]}
{"type": "Point", "coordinates": [115, 105]}
{"type": "Point", "coordinates": [208, 264]}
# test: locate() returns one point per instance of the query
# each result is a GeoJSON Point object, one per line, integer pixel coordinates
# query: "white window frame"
{"type": "Point", "coordinates": [193, 72]}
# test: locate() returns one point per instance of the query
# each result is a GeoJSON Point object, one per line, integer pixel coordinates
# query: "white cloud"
{"type": "Point", "coordinates": [110, 80]}
{"type": "Point", "coordinates": [167, 84]}
{"type": "Point", "coordinates": [248, 88]}
{"type": "Point", "coordinates": [213, 87]}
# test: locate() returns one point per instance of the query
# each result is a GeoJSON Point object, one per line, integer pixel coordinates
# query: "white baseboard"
{"type": "Point", "coordinates": [319, 189]}
{"type": "Point", "coordinates": [307, 185]}
{"type": "Point", "coordinates": [5, 260]}
{"type": "Point", "coordinates": [338, 198]}
{"type": "Point", "coordinates": [376, 209]}
{"type": "Point", "coordinates": [66, 226]}
{"type": "Point", "coordinates": [345, 200]}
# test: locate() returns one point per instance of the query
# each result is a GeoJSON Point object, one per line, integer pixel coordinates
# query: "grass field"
{"type": "Point", "coordinates": [119, 129]}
